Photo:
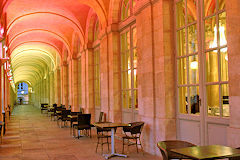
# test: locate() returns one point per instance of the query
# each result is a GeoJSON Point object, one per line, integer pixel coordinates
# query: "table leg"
{"type": "Point", "coordinates": [113, 154]}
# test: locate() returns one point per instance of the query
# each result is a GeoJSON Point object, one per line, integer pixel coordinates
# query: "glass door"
{"type": "Point", "coordinates": [202, 71]}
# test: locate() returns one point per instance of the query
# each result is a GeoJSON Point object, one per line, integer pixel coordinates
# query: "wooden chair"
{"type": "Point", "coordinates": [65, 117]}
{"type": "Point", "coordinates": [84, 121]}
{"type": "Point", "coordinates": [166, 146]}
{"type": "Point", "coordinates": [135, 130]}
{"type": "Point", "coordinates": [103, 133]}
{"type": "Point", "coordinates": [43, 107]}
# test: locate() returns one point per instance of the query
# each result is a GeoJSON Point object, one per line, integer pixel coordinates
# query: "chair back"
{"type": "Point", "coordinates": [100, 117]}
{"type": "Point", "coordinates": [75, 113]}
{"type": "Point", "coordinates": [136, 127]}
{"type": "Point", "coordinates": [65, 113]}
{"type": "Point", "coordinates": [174, 144]}
{"type": "Point", "coordinates": [162, 148]}
{"type": "Point", "coordinates": [84, 119]}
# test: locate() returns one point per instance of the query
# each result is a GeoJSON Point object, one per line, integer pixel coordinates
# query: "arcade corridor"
{"type": "Point", "coordinates": [170, 65]}
{"type": "Point", "coordinates": [33, 136]}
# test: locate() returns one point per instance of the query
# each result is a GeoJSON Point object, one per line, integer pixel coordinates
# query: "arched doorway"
{"type": "Point", "coordinates": [22, 93]}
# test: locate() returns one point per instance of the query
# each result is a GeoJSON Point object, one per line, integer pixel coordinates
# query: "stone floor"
{"type": "Point", "coordinates": [33, 136]}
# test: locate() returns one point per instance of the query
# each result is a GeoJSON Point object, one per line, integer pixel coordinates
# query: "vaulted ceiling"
{"type": "Point", "coordinates": [40, 33]}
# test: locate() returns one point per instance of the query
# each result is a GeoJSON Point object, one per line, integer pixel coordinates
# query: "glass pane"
{"type": "Point", "coordinates": [194, 99]}
{"type": "Point", "coordinates": [212, 66]}
{"type": "Point", "coordinates": [125, 99]}
{"type": "Point", "coordinates": [193, 70]}
{"type": "Point", "coordinates": [181, 43]}
{"type": "Point", "coordinates": [128, 41]}
{"type": "Point", "coordinates": [136, 99]}
{"type": "Point", "coordinates": [192, 39]}
{"type": "Point", "coordinates": [135, 78]}
{"type": "Point", "coordinates": [209, 7]}
{"type": "Point", "coordinates": [125, 61]}
{"type": "Point", "coordinates": [191, 11]}
{"type": "Point", "coordinates": [183, 100]}
{"type": "Point", "coordinates": [123, 42]}
{"type": "Point", "coordinates": [135, 58]}
{"type": "Point", "coordinates": [222, 29]}
{"type": "Point", "coordinates": [129, 79]}
{"type": "Point", "coordinates": [210, 33]}
{"type": "Point", "coordinates": [225, 99]}
{"type": "Point", "coordinates": [125, 12]}
{"type": "Point", "coordinates": [134, 37]}
{"type": "Point", "coordinates": [125, 80]}
{"type": "Point", "coordinates": [221, 4]}
{"type": "Point", "coordinates": [182, 71]}
{"type": "Point", "coordinates": [180, 13]}
{"type": "Point", "coordinates": [224, 64]}
{"type": "Point", "coordinates": [129, 99]}
{"type": "Point", "coordinates": [213, 100]}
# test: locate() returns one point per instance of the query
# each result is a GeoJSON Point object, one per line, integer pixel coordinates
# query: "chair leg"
{"type": "Point", "coordinates": [123, 146]}
{"type": "Point", "coordinates": [141, 145]}
{"type": "Point", "coordinates": [108, 144]}
{"type": "Point", "coordinates": [136, 145]}
{"type": "Point", "coordinates": [102, 145]}
{"type": "Point", "coordinates": [97, 144]}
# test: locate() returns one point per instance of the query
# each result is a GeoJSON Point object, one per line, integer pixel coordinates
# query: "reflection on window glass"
{"type": "Point", "coordinates": [191, 11]}
{"type": "Point", "coordinates": [181, 43]}
{"type": "Point", "coordinates": [225, 100]}
{"type": "Point", "coordinates": [135, 78]}
{"type": "Point", "coordinates": [183, 100]}
{"type": "Point", "coordinates": [182, 71]}
{"type": "Point", "coordinates": [209, 7]}
{"type": "Point", "coordinates": [210, 33]}
{"type": "Point", "coordinates": [194, 99]}
{"type": "Point", "coordinates": [136, 99]}
{"type": "Point", "coordinates": [222, 29]}
{"type": "Point", "coordinates": [125, 12]}
{"type": "Point", "coordinates": [180, 12]}
{"type": "Point", "coordinates": [134, 37]}
{"type": "Point", "coordinates": [192, 39]}
{"type": "Point", "coordinates": [193, 69]}
{"type": "Point", "coordinates": [212, 66]}
{"type": "Point", "coordinates": [221, 4]}
{"type": "Point", "coordinates": [224, 64]}
{"type": "Point", "coordinates": [213, 100]}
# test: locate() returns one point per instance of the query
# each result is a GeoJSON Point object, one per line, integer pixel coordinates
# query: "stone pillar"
{"type": "Point", "coordinates": [83, 80]}
{"type": "Point", "coordinates": [111, 76]}
{"type": "Point", "coordinates": [156, 82]}
{"type": "Point", "coordinates": [233, 41]}
{"type": "Point", "coordinates": [89, 82]}
{"type": "Point", "coordinates": [74, 85]}
{"type": "Point", "coordinates": [52, 88]}
{"type": "Point", "coordinates": [104, 74]}
{"type": "Point", "coordinates": [64, 69]}
{"type": "Point", "coordinates": [57, 86]}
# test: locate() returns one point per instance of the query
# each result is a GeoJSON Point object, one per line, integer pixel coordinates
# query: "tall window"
{"type": "Point", "coordinates": [96, 67]}
{"type": "Point", "coordinates": [192, 29]}
{"type": "Point", "coordinates": [127, 8]}
{"type": "Point", "coordinates": [128, 42]}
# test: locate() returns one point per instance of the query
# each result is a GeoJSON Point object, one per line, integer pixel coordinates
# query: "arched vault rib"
{"type": "Point", "coordinates": [75, 25]}
{"type": "Point", "coordinates": [67, 45]}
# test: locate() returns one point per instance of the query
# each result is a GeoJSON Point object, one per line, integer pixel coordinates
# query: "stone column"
{"type": "Point", "coordinates": [233, 41]}
{"type": "Point", "coordinates": [74, 65]}
{"type": "Point", "coordinates": [104, 73]}
{"type": "Point", "coordinates": [110, 76]}
{"type": "Point", "coordinates": [64, 69]}
{"type": "Point", "coordinates": [89, 81]}
{"type": "Point", "coordinates": [156, 83]}
{"type": "Point", "coordinates": [57, 86]}
{"type": "Point", "coordinates": [52, 88]}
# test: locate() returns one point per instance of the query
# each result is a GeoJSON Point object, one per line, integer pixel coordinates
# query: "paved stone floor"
{"type": "Point", "coordinates": [33, 136]}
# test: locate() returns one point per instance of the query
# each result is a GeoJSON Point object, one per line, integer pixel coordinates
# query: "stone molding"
{"type": "Point", "coordinates": [141, 5]}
